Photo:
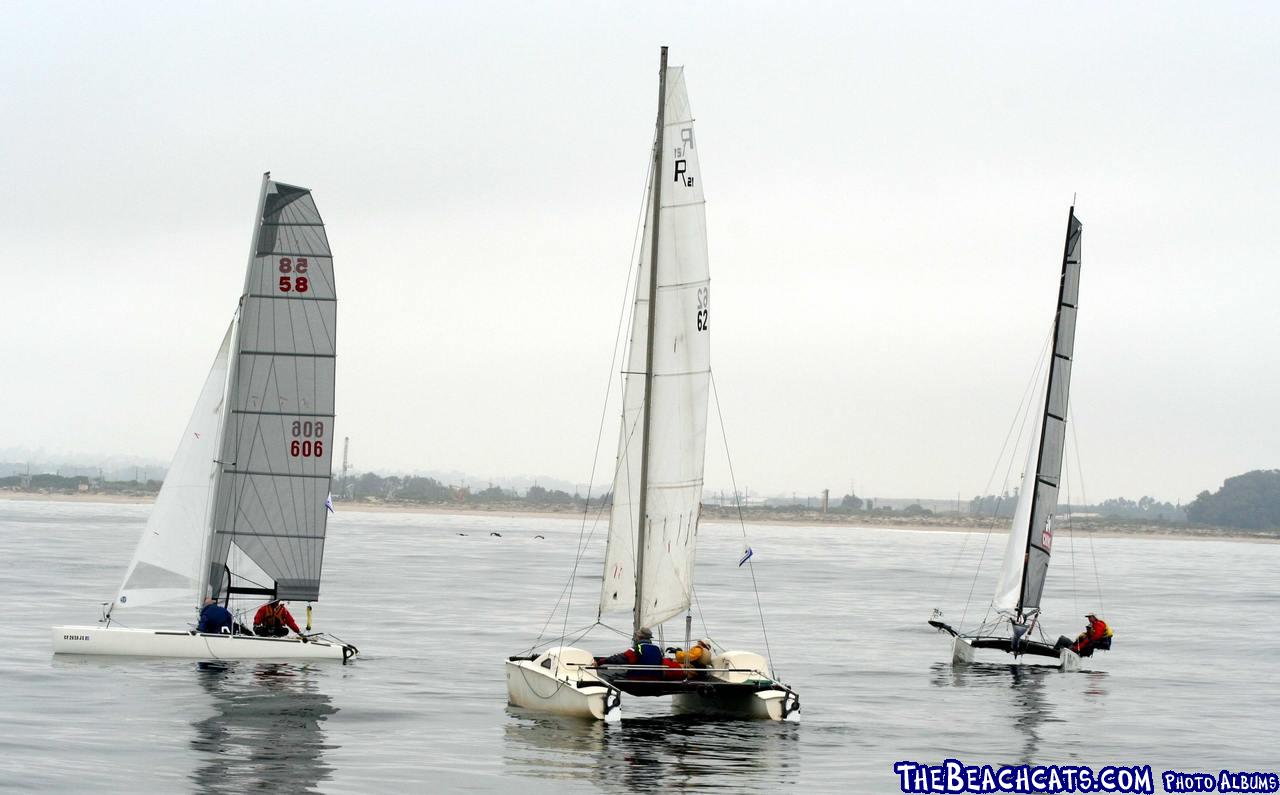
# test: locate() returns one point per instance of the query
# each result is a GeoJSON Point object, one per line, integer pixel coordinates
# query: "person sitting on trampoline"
{"type": "Point", "coordinates": [273, 620]}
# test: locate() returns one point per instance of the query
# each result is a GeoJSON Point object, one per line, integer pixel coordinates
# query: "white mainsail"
{"type": "Point", "coordinates": [680, 383]}
{"type": "Point", "coordinates": [276, 448]}
{"type": "Point", "coordinates": [166, 564]}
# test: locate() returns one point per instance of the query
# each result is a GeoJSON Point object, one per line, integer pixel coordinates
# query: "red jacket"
{"type": "Point", "coordinates": [1092, 635]}
{"type": "Point", "coordinates": [275, 613]}
{"type": "Point", "coordinates": [1097, 629]}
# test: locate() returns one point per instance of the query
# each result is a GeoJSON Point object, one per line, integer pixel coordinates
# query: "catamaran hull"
{"type": "Point", "coordinates": [762, 705]}
{"type": "Point", "coordinates": [121, 642]}
{"type": "Point", "coordinates": [964, 652]}
{"type": "Point", "coordinates": [555, 682]}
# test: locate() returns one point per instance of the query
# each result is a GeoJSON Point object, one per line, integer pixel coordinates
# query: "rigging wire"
{"type": "Point", "coordinates": [1071, 542]}
{"type": "Point", "coordinates": [741, 523]}
{"type": "Point", "coordinates": [623, 315]}
{"type": "Point", "coordinates": [1020, 419]}
{"type": "Point", "coordinates": [1084, 499]}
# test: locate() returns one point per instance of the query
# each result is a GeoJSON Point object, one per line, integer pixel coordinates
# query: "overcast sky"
{"type": "Point", "coordinates": [887, 191]}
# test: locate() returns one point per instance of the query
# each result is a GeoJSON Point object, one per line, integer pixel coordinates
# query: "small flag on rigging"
{"type": "Point", "coordinates": [746, 556]}
{"type": "Point", "coordinates": [328, 503]}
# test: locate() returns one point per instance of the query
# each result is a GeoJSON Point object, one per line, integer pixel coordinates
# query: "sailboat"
{"type": "Point", "coordinates": [1030, 544]}
{"type": "Point", "coordinates": [657, 485]}
{"type": "Point", "coordinates": [244, 506]}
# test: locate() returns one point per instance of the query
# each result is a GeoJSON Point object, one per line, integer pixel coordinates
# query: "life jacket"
{"type": "Point", "coordinates": [648, 653]}
{"type": "Point", "coordinates": [272, 618]}
{"type": "Point", "coordinates": [1098, 630]}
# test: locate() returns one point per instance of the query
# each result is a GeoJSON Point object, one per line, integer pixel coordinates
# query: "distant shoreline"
{"type": "Point", "coordinates": [1095, 526]}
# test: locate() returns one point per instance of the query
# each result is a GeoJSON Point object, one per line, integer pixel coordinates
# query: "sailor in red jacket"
{"type": "Point", "coordinates": [273, 620]}
{"type": "Point", "coordinates": [1095, 636]}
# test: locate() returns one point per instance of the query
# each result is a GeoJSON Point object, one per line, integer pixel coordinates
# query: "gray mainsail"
{"type": "Point", "coordinates": [274, 465]}
{"type": "Point", "coordinates": [1053, 431]}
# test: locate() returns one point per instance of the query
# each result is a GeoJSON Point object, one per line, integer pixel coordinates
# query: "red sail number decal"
{"type": "Point", "coordinates": [308, 439]}
{"type": "Point", "coordinates": [298, 284]}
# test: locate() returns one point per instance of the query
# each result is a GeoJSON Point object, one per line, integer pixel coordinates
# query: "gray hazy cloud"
{"type": "Point", "coordinates": [887, 195]}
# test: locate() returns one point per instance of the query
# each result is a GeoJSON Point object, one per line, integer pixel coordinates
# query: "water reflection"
{"type": "Point", "coordinates": [1025, 688]}
{"type": "Point", "coordinates": [647, 753]}
{"type": "Point", "coordinates": [265, 734]}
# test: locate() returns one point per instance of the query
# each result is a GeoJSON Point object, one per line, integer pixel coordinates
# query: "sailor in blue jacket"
{"type": "Point", "coordinates": [215, 618]}
{"type": "Point", "coordinates": [643, 652]}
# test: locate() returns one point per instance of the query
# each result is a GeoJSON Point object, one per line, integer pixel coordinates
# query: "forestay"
{"type": "Point", "coordinates": [275, 458]}
{"type": "Point", "coordinates": [681, 375]}
{"type": "Point", "coordinates": [1030, 560]}
{"type": "Point", "coordinates": [166, 564]}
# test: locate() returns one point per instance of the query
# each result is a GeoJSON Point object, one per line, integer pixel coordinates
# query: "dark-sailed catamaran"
{"type": "Point", "coordinates": [657, 485]}
{"type": "Point", "coordinates": [1016, 625]}
{"type": "Point", "coordinates": [244, 505]}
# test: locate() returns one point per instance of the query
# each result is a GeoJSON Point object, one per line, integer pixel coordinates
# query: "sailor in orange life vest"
{"type": "Point", "coordinates": [273, 620]}
{"type": "Point", "coordinates": [1097, 635]}
{"type": "Point", "coordinates": [643, 651]}
{"type": "Point", "coordinates": [698, 655]}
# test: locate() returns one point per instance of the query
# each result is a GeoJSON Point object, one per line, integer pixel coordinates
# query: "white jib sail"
{"type": "Point", "coordinates": [166, 564]}
{"type": "Point", "coordinates": [681, 378]}
{"type": "Point", "coordinates": [1009, 589]}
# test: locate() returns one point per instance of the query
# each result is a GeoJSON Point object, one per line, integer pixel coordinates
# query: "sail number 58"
{"type": "Point", "coordinates": [704, 308]}
{"type": "Point", "coordinates": [299, 284]}
{"type": "Point", "coordinates": [308, 441]}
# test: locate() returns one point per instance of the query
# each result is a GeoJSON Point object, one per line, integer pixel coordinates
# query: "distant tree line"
{"type": "Point", "coordinates": [77, 483]}
{"type": "Point", "coordinates": [1146, 508]}
{"type": "Point", "coordinates": [413, 488]}
{"type": "Point", "coordinates": [1250, 501]}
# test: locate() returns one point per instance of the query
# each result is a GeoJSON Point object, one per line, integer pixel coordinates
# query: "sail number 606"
{"type": "Point", "coordinates": [704, 308]}
{"type": "Point", "coordinates": [308, 441]}
{"type": "Point", "coordinates": [299, 284]}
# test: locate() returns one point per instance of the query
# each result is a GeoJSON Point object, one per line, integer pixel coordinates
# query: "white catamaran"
{"type": "Point", "coordinates": [1015, 627]}
{"type": "Point", "coordinates": [244, 505]}
{"type": "Point", "coordinates": [657, 486]}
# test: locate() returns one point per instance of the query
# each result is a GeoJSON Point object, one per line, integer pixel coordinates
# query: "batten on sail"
{"type": "Point", "coordinates": [679, 389]}
{"type": "Point", "coordinates": [275, 456]}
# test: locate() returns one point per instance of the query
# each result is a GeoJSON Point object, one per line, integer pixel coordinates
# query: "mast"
{"type": "Point", "coordinates": [1045, 415]}
{"type": "Point", "coordinates": [233, 367]}
{"type": "Point", "coordinates": [648, 350]}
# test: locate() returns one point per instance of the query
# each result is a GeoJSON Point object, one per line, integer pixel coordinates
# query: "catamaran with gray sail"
{"type": "Point", "coordinates": [1012, 625]}
{"type": "Point", "coordinates": [658, 480]}
{"type": "Point", "coordinates": [242, 513]}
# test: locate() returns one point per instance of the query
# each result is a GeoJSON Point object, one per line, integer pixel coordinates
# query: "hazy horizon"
{"type": "Point", "coordinates": [887, 195]}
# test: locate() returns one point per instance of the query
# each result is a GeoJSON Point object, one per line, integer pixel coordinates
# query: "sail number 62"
{"type": "Point", "coordinates": [704, 308]}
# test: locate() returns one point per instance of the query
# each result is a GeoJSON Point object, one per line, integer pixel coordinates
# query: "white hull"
{"type": "Point", "coordinates": [557, 682]}
{"type": "Point", "coordinates": [962, 652]}
{"type": "Point", "coordinates": [776, 703]}
{"type": "Point", "coordinates": [118, 641]}
{"type": "Point", "coordinates": [764, 705]}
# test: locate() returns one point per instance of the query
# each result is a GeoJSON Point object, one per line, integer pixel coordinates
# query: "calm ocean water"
{"type": "Point", "coordinates": [1192, 684]}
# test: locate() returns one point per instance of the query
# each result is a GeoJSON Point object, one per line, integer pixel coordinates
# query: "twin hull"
{"type": "Point", "coordinates": [964, 652]}
{"type": "Point", "coordinates": [562, 681]}
{"type": "Point", "coordinates": [118, 641]}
